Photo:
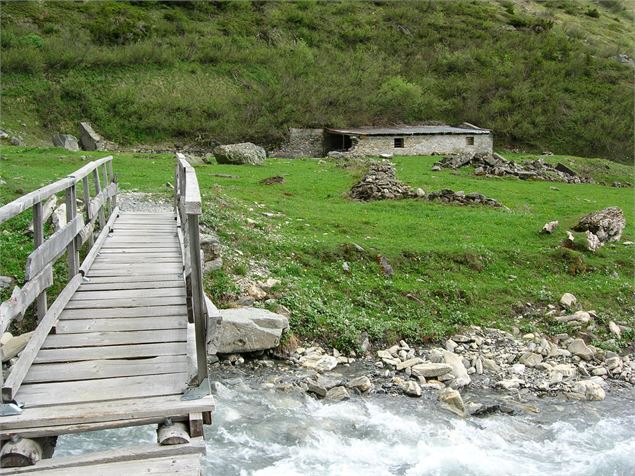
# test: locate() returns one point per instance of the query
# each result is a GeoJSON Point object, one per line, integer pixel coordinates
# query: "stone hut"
{"type": "Point", "coordinates": [395, 140]}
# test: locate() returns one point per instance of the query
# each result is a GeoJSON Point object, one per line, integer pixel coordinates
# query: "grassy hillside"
{"type": "Point", "coordinates": [453, 265]}
{"type": "Point", "coordinates": [542, 75]}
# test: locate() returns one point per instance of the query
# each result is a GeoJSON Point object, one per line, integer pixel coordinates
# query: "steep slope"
{"type": "Point", "coordinates": [541, 75]}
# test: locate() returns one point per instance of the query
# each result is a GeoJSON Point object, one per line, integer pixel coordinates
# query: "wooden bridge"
{"type": "Point", "coordinates": [125, 341]}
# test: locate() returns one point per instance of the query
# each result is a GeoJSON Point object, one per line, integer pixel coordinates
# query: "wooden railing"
{"type": "Point", "coordinates": [100, 207]}
{"type": "Point", "coordinates": [187, 204]}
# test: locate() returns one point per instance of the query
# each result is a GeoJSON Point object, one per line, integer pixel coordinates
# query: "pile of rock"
{"type": "Point", "coordinates": [497, 165]}
{"type": "Point", "coordinates": [462, 198]}
{"type": "Point", "coordinates": [607, 225]}
{"type": "Point", "coordinates": [380, 183]}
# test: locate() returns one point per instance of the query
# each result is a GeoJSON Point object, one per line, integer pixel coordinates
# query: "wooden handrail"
{"type": "Point", "coordinates": [188, 207]}
{"type": "Point", "coordinates": [70, 238]}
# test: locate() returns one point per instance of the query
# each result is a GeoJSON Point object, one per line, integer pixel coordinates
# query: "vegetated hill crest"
{"type": "Point", "coordinates": [544, 76]}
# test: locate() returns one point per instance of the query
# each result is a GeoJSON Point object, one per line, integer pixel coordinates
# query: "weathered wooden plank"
{"type": "Point", "coordinates": [25, 202]}
{"type": "Point", "coordinates": [119, 455]}
{"type": "Point", "coordinates": [76, 326]}
{"type": "Point", "coordinates": [166, 244]}
{"type": "Point", "coordinates": [100, 369]}
{"type": "Point", "coordinates": [132, 271]}
{"type": "Point", "coordinates": [130, 293]}
{"type": "Point", "coordinates": [133, 285]}
{"type": "Point", "coordinates": [20, 369]}
{"type": "Point", "coordinates": [81, 428]}
{"type": "Point", "coordinates": [86, 233]}
{"type": "Point", "coordinates": [83, 413]}
{"type": "Point", "coordinates": [110, 352]}
{"type": "Point", "coordinates": [149, 311]}
{"type": "Point", "coordinates": [101, 214]}
{"type": "Point", "coordinates": [51, 248]}
{"type": "Point", "coordinates": [89, 228]}
{"type": "Point", "coordinates": [21, 299]}
{"type": "Point", "coordinates": [198, 297]}
{"type": "Point", "coordinates": [172, 265]}
{"type": "Point", "coordinates": [153, 277]}
{"type": "Point", "coordinates": [100, 339]}
{"type": "Point", "coordinates": [182, 465]}
{"type": "Point", "coordinates": [126, 302]}
{"type": "Point", "coordinates": [89, 167]}
{"type": "Point", "coordinates": [47, 210]}
{"type": "Point", "coordinates": [130, 259]}
{"type": "Point", "coordinates": [192, 196]}
{"type": "Point", "coordinates": [59, 393]}
{"type": "Point", "coordinates": [137, 251]}
{"type": "Point", "coordinates": [94, 251]}
{"type": "Point", "coordinates": [101, 198]}
{"type": "Point", "coordinates": [140, 239]}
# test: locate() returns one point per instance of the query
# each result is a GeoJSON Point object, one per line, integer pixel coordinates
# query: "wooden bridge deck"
{"type": "Point", "coordinates": [121, 352]}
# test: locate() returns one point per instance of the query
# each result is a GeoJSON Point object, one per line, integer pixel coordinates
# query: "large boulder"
{"type": "Point", "coordinates": [66, 141]}
{"type": "Point", "coordinates": [89, 139]}
{"type": "Point", "coordinates": [249, 329]}
{"type": "Point", "coordinates": [243, 153]}
{"type": "Point", "coordinates": [607, 224]}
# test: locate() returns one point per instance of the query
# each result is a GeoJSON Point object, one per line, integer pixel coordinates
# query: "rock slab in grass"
{"type": "Point", "coordinates": [243, 153]}
{"type": "Point", "coordinates": [249, 329]}
{"type": "Point", "coordinates": [66, 141]}
{"type": "Point", "coordinates": [89, 139]}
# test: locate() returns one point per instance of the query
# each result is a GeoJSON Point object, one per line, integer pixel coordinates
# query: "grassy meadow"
{"type": "Point", "coordinates": [453, 265]}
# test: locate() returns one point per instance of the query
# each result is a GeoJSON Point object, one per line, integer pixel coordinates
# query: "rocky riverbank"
{"type": "Point", "coordinates": [479, 359]}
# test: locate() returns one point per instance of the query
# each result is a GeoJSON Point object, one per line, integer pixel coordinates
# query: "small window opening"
{"type": "Point", "coordinates": [399, 143]}
{"type": "Point", "coordinates": [469, 140]}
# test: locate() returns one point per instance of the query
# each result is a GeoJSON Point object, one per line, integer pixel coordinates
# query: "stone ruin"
{"type": "Point", "coordinates": [497, 166]}
{"type": "Point", "coordinates": [462, 198]}
{"type": "Point", "coordinates": [380, 183]}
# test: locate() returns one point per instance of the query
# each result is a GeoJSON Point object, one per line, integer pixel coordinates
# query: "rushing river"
{"type": "Point", "coordinates": [271, 432]}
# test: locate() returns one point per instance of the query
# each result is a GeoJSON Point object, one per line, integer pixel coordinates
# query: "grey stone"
{"type": "Point", "coordinates": [363, 384]}
{"type": "Point", "coordinates": [316, 388]}
{"type": "Point", "coordinates": [579, 348]}
{"type": "Point", "coordinates": [243, 153]}
{"type": "Point", "coordinates": [249, 329]}
{"type": "Point", "coordinates": [451, 399]}
{"type": "Point", "coordinates": [589, 390]}
{"type": "Point", "coordinates": [411, 388]}
{"type": "Point", "coordinates": [329, 381]}
{"type": "Point", "coordinates": [213, 265]}
{"type": "Point", "coordinates": [409, 363]}
{"type": "Point", "coordinates": [15, 141]}
{"type": "Point", "coordinates": [321, 363]}
{"type": "Point", "coordinates": [210, 244]}
{"type": "Point", "coordinates": [458, 369]}
{"type": "Point", "coordinates": [568, 300]}
{"type": "Point", "coordinates": [337, 394]}
{"type": "Point", "coordinates": [550, 227]}
{"type": "Point", "coordinates": [66, 141]}
{"type": "Point", "coordinates": [6, 282]}
{"type": "Point", "coordinates": [89, 139]}
{"type": "Point", "coordinates": [431, 370]}
{"type": "Point", "coordinates": [530, 359]}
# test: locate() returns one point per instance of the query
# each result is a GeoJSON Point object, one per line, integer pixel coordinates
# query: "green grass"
{"type": "Point", "coordinates": [541, 75]}
{"type": "Point", "coordinates": [453, 265]}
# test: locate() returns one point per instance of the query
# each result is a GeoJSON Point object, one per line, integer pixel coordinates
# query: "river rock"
{"type": "Point", "coordinates": [428, 370]}
{"type": "Point", "coordinates": [210, 245]}
{"type": "Point", "coordinates": [243, 153]}
{"type": "Point", "coordinates": [530, 359]}
{"type": "Point", "coordinates": [510, 384]}
{"type": "Point", "coordinates": [607, 224]}
{"type": "Point", "coordinates": [615, 329]}
{"type": "Point", "coordinates": [451, 399]}
{"type": "Point", "coordinates": [66, 141]}
{"type": "Point", "coordinates": [590, 390]}
{"type": "Point", "coordinates": [363, 384]}
{"type": "Point", "coordinates": [337, 394]}
{"type": "Point", "coordinates": [317, 389]}
{"type": "Point", "coordinates": [321, 363]}
{"type": "Point", "coordinates": [411, 388]}
{"type": "Point", "coordinates": [568, 300]}
{"type": "Point", "coordinates": [579, 348]}
{"type": "Point", "coordinates": [248, 329]}
{"type": "Point", "coordinates": [409, 363]}
{"type": "Point", "coordinates": [329, 381]}
{"type": "Point", "coordinates": [458, 369]}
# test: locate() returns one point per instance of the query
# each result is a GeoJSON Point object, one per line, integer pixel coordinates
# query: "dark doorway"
{"type": "Point", "coordinates": [334, 141]}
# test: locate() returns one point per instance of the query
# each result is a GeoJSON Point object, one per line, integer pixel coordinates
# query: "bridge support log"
{"type": "Point", "coordinates": [20, 452]}
{"type": "Point", "coordinates": [172, 433]}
